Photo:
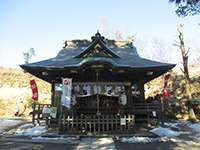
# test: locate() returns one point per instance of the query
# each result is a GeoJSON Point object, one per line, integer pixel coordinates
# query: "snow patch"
{"type": "Point", "coordinates": [176, 125]}
{"type": "Point", "coordinates": [165, 132]}
{"type": "Point", "coordinates": [9, 122]}
{"type": "Point", "coordinates": [192, 143]}
{"type": "Point", "coordinates": [172, 125]}
{"type": "Point", "coordinates": [195, 127]}
{"type": "Point", "coordinates": [178, 140]}
{"type": "Point", "coordinates": [6, 124]}
{"type": "Point", "coordinates": [135, 139]}
{"type": "Point", "coordinates": [166, 139]}
{"type": "Point", "coordinates": [25, 126]}
{"type": "Point", "coordinates": [197, 135]}
{"type": "Point", "coordinates": [33, 131]}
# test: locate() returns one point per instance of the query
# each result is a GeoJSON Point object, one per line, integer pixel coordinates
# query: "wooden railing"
{"type": "Point", "coordinates": [37, 112]}
{"type": "Point", "coordinates": [139, 108]}
{"type": "Point", "coordinates": [146, 107]}
{"type": "Point", "coordinates": [101, 123]}
{"type": "Point", "coordinates": [98, 124]}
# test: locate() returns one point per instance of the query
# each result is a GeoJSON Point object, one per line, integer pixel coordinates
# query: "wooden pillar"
{"type": "Point", "coordinates": [141, 89]}
{"type": "Point", "coordinates": [53, 93]}
{"type": "Point", "coordinates": [129, 95]}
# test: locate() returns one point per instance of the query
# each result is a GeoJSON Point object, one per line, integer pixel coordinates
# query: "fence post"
{"type": "Point", "coordinates": [148, 117]}
{"type": "Point", "coordinates": [162, 112]}
{"type": "Point", "coordinates": [33, 115]}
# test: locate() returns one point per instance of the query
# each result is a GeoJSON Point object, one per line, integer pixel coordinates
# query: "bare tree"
{"type": "Point", "coordinates": [104, 27]}
{"type": "Point", "coordinates": [118, 35]}
{"type": "Point", "coordinates": [142, 45]}
{"type": "Point", "coordinates": [197, 60]}
{"type": "Point", "coordinates": [184, 53]}
{"type": "Point", "coordinates": [196, 56]}
{"type": "Point", "coordinates": [28, 55]}
{"type": "Point", "coordinates": [160, 50]}
{"type": "Point", "coordinates": [131, 38]}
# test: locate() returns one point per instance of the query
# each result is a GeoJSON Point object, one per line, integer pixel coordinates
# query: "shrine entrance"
{"type": "Point", "coordinates": [89, 105]}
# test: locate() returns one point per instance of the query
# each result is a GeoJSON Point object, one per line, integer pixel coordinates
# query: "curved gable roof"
{"type": "Point", "coordinates": [78, 53]}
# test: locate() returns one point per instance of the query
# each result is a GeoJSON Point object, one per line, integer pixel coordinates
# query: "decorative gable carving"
{"type": "Point", "coordinates": [97, 48]}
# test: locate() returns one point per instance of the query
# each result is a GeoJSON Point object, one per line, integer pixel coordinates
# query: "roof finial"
{"type": "Point", "coordinates": [98, 34]}
{"type": "Point", "coordinates": [65, 44]}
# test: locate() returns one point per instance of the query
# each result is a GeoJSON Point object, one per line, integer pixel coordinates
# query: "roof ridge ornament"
{"type": "Point", "coordinates": [98, 36]}
{"type": "Point", "coordinates": [65, 44]}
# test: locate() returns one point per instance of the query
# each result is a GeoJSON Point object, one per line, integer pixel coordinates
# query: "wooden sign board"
{"type": "Point", "coordinates": [123, 121]}
{"type": "Point", "coordinates": [53, 112]}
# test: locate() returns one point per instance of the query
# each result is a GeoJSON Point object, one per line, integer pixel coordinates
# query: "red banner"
{"type": "Point", "coordinates": [166, 93]}
{"type": "Point", "coordinates": [166, 79]}
{"type": "Point", "coordinates": [34, 90]}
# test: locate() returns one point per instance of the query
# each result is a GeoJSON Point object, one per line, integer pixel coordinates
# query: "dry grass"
{"type": "Point", "coordinates": [177, 103]}
{"type": "Point", "coordinates": [177, 80]}
{"type": "Point", "coordinates": [15, 91]}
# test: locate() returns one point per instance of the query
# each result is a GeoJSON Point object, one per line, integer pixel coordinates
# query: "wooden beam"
{"type": "Point", "coordinates": [102, 83]}
{"type": "Point", "coordinates": [53, 93]}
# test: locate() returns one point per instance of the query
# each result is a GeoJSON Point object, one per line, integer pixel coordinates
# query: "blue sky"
{"type": "Point", "coordinates": [45, 24]}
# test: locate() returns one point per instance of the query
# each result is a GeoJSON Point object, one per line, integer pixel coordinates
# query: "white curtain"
{"type": "Point", "coordinates": [66, 92]}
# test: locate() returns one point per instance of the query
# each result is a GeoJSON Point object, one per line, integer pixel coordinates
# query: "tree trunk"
{"type": "Point", "coordinates": [184, 53]}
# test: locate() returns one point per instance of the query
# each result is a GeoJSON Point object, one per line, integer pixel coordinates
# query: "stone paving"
{"type": "Point", "coordinates": [91, 143]}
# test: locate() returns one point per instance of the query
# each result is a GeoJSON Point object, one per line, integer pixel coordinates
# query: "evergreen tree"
{"type": "Point", "coordinates": [187, 7]}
